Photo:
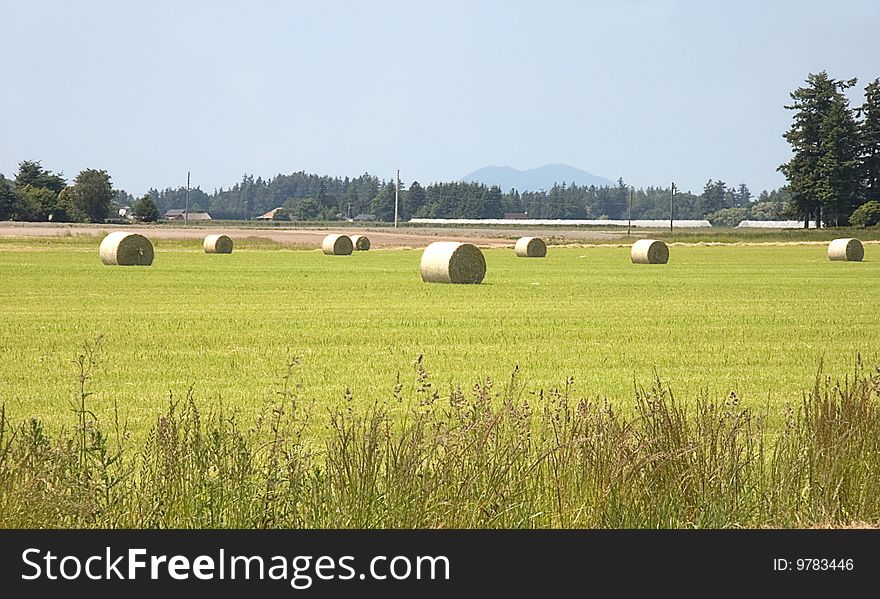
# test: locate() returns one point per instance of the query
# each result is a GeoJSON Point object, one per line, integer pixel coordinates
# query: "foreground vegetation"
{"type": "Point", "coordinates": [488, 457]}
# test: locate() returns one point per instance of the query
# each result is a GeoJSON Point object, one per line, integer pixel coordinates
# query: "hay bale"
{"type": "Point", "coordinates": [361, 243]}
{"type": "Point", "coordinates": [337, 245]}
{"type": "Point", "coordinates": [126, 249]}
{"type": "Point", "coordinates": [530, 247]}
{"type": "Point", "coordinates": [452, 262]}
{"type": "Point", "coordinates": [218, 244]}
{"type": "Point", "coordinates": [649, 251]}
{"type": "Point", "coordinates": [846, 250]}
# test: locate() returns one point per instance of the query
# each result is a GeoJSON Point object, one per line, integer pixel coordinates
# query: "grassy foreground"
{"type": "Point", "coordinates": [757, 320]}
{"type": "Point", "coordinates": [484, 458]}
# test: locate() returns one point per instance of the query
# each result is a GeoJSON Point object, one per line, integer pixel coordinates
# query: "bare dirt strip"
{"type": "Point", "coordinates": [380, 237]}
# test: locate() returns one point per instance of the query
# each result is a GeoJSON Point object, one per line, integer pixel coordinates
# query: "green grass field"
{"type": "Point", "coordinates": [758, 320]}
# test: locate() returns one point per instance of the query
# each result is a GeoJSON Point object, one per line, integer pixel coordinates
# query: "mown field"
{"type": "Point", "coordinates": [757, 319]}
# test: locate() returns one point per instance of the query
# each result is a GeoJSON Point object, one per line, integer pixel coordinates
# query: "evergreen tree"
{"type": "Point", "coordinates": [742, 196]}
{"type": "Point", "coordinates": [247, 196]}
{"type": "Point", "coordinates": [839, 183]}
{"type": "Point", "coordinates": [869, 131]}
{"type": "Point", "coordinates": [146, 210]}
{"type": "Point", "coordinates": [66, 210]}
{"type": "Point", "coordinates": [822, 123]}
{"type": "Point", "coordinates": [307, 209]}
{"type": "Point", "coordinates": [368, 190]}
{"type": "Point", "coordinates": [713, 197]}
{"type": "Point", "coordinates": [122, 198]}
{"type": "Point", "coordinates": [620, 205]}
{"type": "Point", "coordinates": [382, 206]}
{"type": "Point", "coordinates": [490, 204]}
{"type": "Point", "coordinates": [31, 172]}
{"type": "Point", "coordinates": [323, 198]}
{"type": "Point", "coordinates": [7, 199]}
{"type": "Point", "coordinates": [414, 200]}
{"type": "Point", "coordinates": [512, 202]}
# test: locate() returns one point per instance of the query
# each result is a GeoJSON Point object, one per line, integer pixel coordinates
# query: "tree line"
{"type": "Point", "coordinates": [311, 197]}
{"type": "Point", "coordinates": [834, 171]}
{"type": "Point", "coordinates": [38, 194]}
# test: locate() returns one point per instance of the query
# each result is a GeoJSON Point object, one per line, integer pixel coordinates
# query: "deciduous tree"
{"type": "Point", "coordinates": [93, 193]}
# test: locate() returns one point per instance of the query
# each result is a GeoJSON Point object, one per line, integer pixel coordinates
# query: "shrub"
{"type": "Point", "coordinates": [728, 217]}
{"type": "Point", "coordinates": [767, 211]}
{"type": "Point", "coordinates": [866, 215]}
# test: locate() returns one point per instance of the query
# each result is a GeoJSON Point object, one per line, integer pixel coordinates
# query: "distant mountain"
{"type": "Point", "coordinates": [535, 179]}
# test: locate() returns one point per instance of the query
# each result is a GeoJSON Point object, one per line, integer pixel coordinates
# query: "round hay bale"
{"type": "Point", "coordinates": [126, 249]}
{"type": "Point", "coordinates": [361, 243]}
{"type": "Point", "coordinates": [337, 245]}
{"type": "Point", "coordinates": [218, 244]}
{"type": "Point", "coordinates": [531, 247]}
{"type": "Point", "coordinates": [452, 262]}
{"type": "Point", "coordinates": [846, 250]}
{"type": "Point", "coordinates": [649, 251]}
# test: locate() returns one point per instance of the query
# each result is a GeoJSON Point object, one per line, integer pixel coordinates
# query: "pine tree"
{"type": "Point", "coordinates": [822, 124]}
{"type": "Point", "coordinates": [382, 205]}
{"type": "Point", "coordinates": [743, 196]}
{"type": "Point", "coordinates": [490, 204]}
{"type": "Point", "coordinates": [414, 200]}
{"type": "Point", "coordinates": [31, 172]}
{"type": "Point", "coordinates": [839, 184]}
{"type": "Point", "coordinates": [7, 199]}
{"type": "Point", "coordinates": [713, 197]}
{"type": "Point", "coordinates": [146, 210]}
{"type": "Point", "coordinates": [869, 133]}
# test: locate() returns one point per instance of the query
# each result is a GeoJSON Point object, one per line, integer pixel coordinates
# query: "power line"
{"type": "Point", "coordinates": [396, 197]}
{"type": "Point", "coordinates": [186, 210]}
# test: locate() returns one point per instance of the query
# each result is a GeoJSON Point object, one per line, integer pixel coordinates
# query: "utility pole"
{"type": "Point", "coordinates": [186, 211]}
{"type": "Point", "coordinates": [629, 214]}
{"type": "Point", "coordinates": [396, 197]}
{"type": "Point", "coordinates": [671, 206]}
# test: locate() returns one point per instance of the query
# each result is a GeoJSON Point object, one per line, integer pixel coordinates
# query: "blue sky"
{"type": "Point", "coordinates": [648, 91]}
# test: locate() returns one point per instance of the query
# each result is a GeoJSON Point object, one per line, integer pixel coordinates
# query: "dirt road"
{"type": "Point", "coordinates": [380, 237]}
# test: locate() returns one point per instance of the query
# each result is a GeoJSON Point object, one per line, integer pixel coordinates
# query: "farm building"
{"type": "Point", "coordinates": [182, 214]}
{"type": "Point", "coordinates": [269, 215]}
{"type": "Point", "coordinates": [364, 218]}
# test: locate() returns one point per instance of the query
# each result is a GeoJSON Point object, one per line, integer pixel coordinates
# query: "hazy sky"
{"type": "Point", "coordinates": [648, 91]}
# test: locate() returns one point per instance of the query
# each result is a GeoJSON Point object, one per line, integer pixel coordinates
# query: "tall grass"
{"type": "Point", "coordinates": [483, 458]}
